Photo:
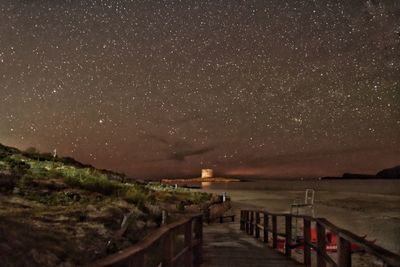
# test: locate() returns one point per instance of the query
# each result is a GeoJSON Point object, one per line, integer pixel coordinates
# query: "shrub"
{"type": "Point", "coordinates": [135, 195]}
{"type": "Point", "coordinates": [199, 197]}
{"type": "Point", "coordinates": [39, 172]}
{"type": "Point", "coordinates": [52, 173]}
{"type": "Point", "coordinates": [180, 206]}
{"type": "Point", "coordinates": [89, 182]}
{"type": "Point", "coordinates": [17, 166]}
{"type": "Point", "coordinates": [25, 181]}
{"type": "Point", "coordinates": [31, 150]}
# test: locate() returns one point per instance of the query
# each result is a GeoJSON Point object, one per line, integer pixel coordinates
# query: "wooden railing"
{"type": "Point", "coordinates": [176, 244]}
{"type": "Point", "coordinates": [261, 224]}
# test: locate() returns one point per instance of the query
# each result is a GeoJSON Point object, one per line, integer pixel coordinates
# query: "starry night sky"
{"type": "Point", "coordinates": [277, 88]}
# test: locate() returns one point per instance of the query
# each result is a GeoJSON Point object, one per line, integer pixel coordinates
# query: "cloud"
{"type": "Point", "coordinates": [181, 154]}
{"type": "Point", "coordinates": [180, 150]}
{"type": "Point", "coordinates": [157, 138]}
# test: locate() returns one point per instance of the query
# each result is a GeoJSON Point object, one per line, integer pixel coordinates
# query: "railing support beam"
{"type": "Point", "coordinates": [251, 223]}
{"type": "Point", "coordinates": [137, 261]}
{"type": "Point", "coordinates": [168, 250]}
{"type": "Point", "coordinates": [188, 244]}
{"type": "Point", "coordinates": [321, 245]}
{"type": "Point", "coordinates": [198, 233]}
{"type": "Point", "coordinates": [307, 241]}
{"type": "Point", "coordinates": [344, 253]}
{"type": "Point", "coordinates": [242, 223]}
{"type": "Point", "coordinates": [288, 235]}
{"type": "Point", "coordinates": [257, 223]}
{"type": "Point", "coordinates": [266, 221]}
{"type": "Point", "coordinates": [274, 232]}
{"type": "Point", "coordinates": [246, 222]}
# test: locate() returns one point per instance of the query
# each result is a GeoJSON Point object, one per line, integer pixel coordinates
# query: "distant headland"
{"type": "Point", "coordinates": [390, 173]}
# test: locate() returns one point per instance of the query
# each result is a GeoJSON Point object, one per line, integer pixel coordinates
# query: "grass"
{"type": "Point", "coordinates": [95, 183]}
{"type": "Point", "coordinates": [32, 165]}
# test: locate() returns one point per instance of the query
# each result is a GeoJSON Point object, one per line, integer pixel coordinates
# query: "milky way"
{"type": "Point", "coordinates": [164, 88]}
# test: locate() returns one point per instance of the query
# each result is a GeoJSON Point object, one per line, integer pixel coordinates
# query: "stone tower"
{"type": "Point", "coordinates": [207, 173]}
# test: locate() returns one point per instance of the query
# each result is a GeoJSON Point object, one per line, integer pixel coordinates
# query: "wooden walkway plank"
{"type": "Point", "coordinates": [225, 245]}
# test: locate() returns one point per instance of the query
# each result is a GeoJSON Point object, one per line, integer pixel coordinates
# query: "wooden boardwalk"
{"type": "Point", "coordinates": [226, 246]}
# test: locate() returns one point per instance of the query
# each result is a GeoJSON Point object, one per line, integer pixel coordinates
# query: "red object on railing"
{"type": "Point", "coordinates": [331, 242]}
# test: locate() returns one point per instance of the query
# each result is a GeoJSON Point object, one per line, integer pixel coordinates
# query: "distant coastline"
{"type": "Point", "coordinates": [200, 180]}
{"type": "Point", "coordinates": [356, 177]}
{"type": "Point", "coordinates": [391, 173]}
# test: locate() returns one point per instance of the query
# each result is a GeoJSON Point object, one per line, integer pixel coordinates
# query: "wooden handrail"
{"type": "Point", "coordinates": [344, 240]}
{"type": "Point", "coordinates": [191, 252]}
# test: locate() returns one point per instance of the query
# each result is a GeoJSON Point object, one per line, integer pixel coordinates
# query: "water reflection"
{"type": "Point", "coordinates": [205, 184]}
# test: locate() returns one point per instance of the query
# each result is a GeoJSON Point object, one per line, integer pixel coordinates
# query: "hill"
{"type": "Point", "coordinates": [56, 211]}
{"type": "Point", "coordinates": [391, 173]}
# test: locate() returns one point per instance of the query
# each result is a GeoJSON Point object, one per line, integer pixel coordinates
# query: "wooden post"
{"type": "Point", "coordinates": [266, 227]}
{"type": "Point", "coordinates": [242, 220]}
{"type": "Point", "coordinates": [248, 222]}
{"type": "Point", "coordinates": [274, 232]}
{"type": "Point", "coordinates": [251, 222]}
{"type": "Point", "coordinates": [321, 245]}
{"type": "Point", "coordinates": [344, 253]}
{"type": "Point", "coordinates": [257, 223]}
{"type": "Point", "coordinates": [137, 260]}
{"type": "Point", "coordinates": [307, 240]}
{"type": "Point", "coordinates": [246, 225]}
{"type": "Point", "coordinates": [198, 251]}
{"type": "Point", "coordinates": [288, 235]}
{"type": "Point", "coordinates": [163, 217]}
{"type": "Point", "coordinates": [168, 250]}
{"type": "Point", "coordinates": [188, 244]}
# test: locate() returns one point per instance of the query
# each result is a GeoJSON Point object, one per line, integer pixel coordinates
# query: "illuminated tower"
{"type": "Point", "coordinates": [207, 173]}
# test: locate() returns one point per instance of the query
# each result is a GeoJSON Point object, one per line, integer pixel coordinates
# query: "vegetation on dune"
{"type": "Point", "coordinates": [31, 165]}
{"type": "Point", "coordinates": [80, 207]}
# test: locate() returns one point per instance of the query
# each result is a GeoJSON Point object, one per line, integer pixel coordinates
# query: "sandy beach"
{"type": "Point", "coordinates": [369, 208]}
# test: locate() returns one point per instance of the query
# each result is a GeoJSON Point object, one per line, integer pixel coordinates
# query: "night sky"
{"type": "Point", "coordinates": [278, 88]}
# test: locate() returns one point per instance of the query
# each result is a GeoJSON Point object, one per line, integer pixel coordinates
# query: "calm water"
{"type": "Point", "coordinates": [361, 186]}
